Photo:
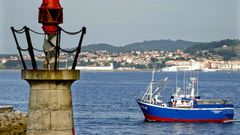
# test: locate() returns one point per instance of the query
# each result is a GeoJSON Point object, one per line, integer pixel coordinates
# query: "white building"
{"type": "Point", "coordinates": [101, 68]}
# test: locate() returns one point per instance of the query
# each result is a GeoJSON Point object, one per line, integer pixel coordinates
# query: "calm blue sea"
{"type": "Point", "coordinates": [104, 102]}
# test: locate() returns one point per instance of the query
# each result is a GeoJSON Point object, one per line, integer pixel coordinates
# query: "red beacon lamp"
{"type": "Point", "coordinates": [50, 15]}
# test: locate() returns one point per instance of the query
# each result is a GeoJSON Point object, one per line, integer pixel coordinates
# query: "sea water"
{"type": "Point", "coordinates": [104, 102]}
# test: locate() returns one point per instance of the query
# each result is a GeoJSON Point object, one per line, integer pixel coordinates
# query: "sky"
{"type": "Point", "coordinates": [121, 22]}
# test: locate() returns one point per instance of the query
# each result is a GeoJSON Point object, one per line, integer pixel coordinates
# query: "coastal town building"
{"type": "Point", "coordinates": [169, 61]}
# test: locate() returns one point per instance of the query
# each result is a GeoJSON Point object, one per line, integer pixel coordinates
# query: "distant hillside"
{"type": "Point", "coordinates": [101, 46]}
{"type": "Point", "coordinates": [164, 45]}
{"type": "Point", "coordinates": [214, 45]}
{"type": "Point", "coordinates": [7, 55]}
{"type": "Point", "coordinates": [228, 48]}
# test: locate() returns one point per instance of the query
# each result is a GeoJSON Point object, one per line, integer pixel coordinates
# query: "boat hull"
{"type": "Point", "coordinates": [170, 114]}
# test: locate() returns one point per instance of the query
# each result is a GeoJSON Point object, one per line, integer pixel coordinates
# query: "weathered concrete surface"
{"type": "Point", "coordinates": [51, 75]}
{"type": "Point", "coordinates": [13, 123]}
{"type": "Point", "coordinates": [50, 101]}
{"type": "Point", "coordinates": [6, 109]}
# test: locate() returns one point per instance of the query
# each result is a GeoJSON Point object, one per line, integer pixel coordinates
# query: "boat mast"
{"type": "Point", "coordinates": [193, 85]}
{"type": "Point", "coordinates": [197, 82]}
{"type": "Point", "coordinates": [151, 87]}
{"type": "Point", "coordinates": [184, 87]}
{"type": "Point", "coordinates": [149, 91]}
{"type": "Point", "coordinates": [176, 83]}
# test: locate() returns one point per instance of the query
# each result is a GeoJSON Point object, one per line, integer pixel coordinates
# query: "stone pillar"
{"type": "Point", "coordinates": [50, 102]}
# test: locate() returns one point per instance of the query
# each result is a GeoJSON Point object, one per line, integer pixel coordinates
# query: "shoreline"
{"type": "Point", "coordinates": [130, 70]}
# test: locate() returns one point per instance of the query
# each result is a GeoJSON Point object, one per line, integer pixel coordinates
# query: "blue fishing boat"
{"type": "Point", "coordinates": [184, 105]}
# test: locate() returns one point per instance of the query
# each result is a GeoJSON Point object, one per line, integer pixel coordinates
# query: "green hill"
{"type": "Point", "coordinates": [164, 45]}
{"type": "Point", "coordinates": [227, 49]}
{"type": "Point", "coordinates": [160, 45]}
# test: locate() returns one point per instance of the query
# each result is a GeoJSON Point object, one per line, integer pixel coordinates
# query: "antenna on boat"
{"type": "Point", "coordinates": [151, 86]}
{"type": "Point", "coordinates": [176, 80]}
{"type": "Point", "coordinates": [153, 75]}
{"type": "Point", "coordinates": [184, 87]}
{"type": "Point", "coordinates": [149, 91]}
{"type": "Point", "coordinates": [197, 74]}
{"type": "Point", "coordinates": [177, 90]}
